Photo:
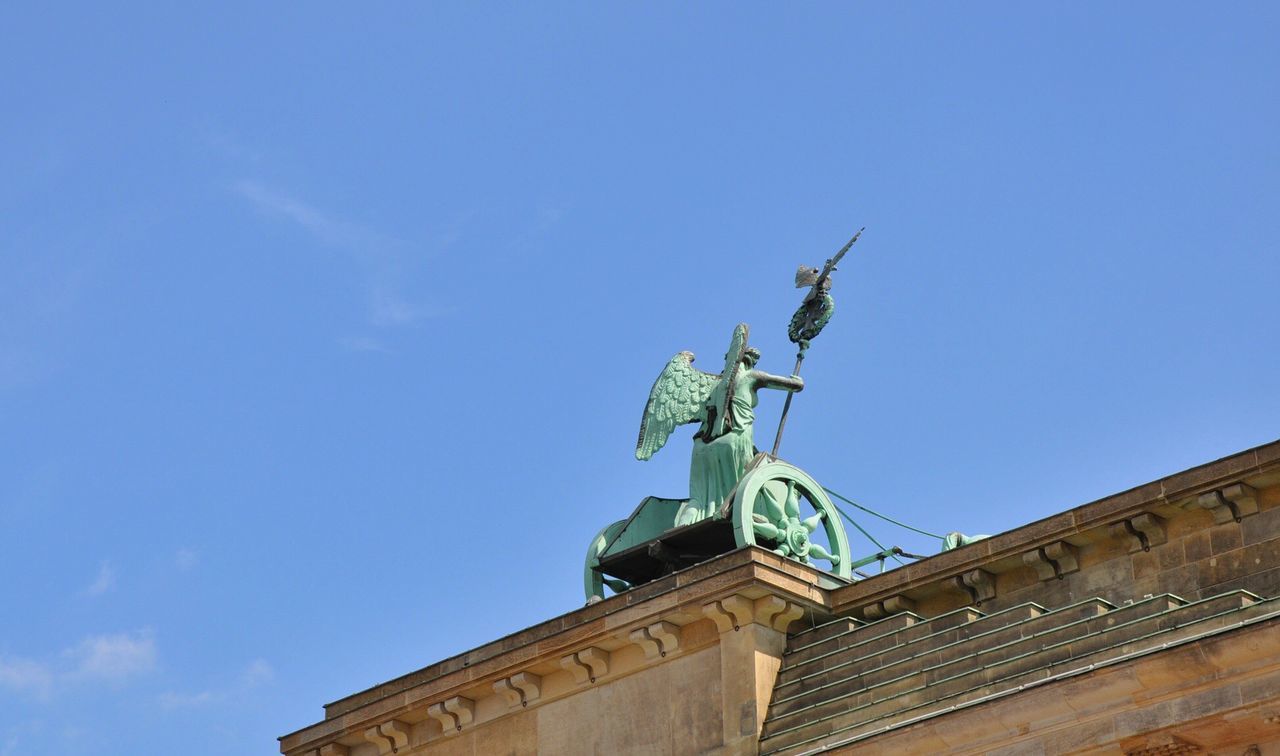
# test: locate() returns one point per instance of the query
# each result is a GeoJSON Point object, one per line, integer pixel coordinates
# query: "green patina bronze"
{"type": "Point", "coordinates": [811, 316]}
{"type": "Point", "coordinates": [724, 405]}
{"type": "Point", "coordinates": [955, 539]}
{"type": "Point", "coordinates": [738, 496]}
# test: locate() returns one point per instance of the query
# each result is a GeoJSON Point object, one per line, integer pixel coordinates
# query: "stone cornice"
{"type": "Point", "coordinates": [752, 585]}
{"type": "Point", "coordinates": [969, 568]}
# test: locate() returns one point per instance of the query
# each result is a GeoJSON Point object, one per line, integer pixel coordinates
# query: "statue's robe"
{"type": "Point", "coordinates": [722, 448]}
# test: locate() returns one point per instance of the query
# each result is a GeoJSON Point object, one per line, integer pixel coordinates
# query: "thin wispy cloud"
{"type": "Point", "coordinates": [227, 145]}
{"type": "Point", "coordinates": [255, 674]}
{"type": "Point", "coordinates": [363, 344]}
{"type": "Point", "coordinates": [11, 745]}
{"type": "Point", "coordinates": [171, 700]}
{"type": "Point", "coordinates": [258, 672]}
{"type": "Point", "coordinates": [22, 738]}
{"type": "Point", "coordinates": [112, 658]}
{"type": "Point", "coordinates": [385, 260]}
{"type": "Point", "coordinates": [27, 676]}
{"type": "Point", "coordinates": [387, 308]}
{"type": "Point", "coordinates": [104, 581]}
{"type": "Point", "coordinates": [37, 301]}
{"type": "Point", "coordinates": [186, 559]}
{"type": "Point", "coordinates": [321, 226]}
{"type": "Point", "coordinates": [96, 660]}
{"type": "Point", "coordinates": [546, 216]}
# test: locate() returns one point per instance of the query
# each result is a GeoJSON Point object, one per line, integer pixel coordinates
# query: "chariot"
{"type": "Point", "coordinates": [776, 506]}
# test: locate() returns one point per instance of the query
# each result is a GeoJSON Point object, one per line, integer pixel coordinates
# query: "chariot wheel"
{"type": "Point", "coordinates": [593, 583]}
{"type": "Point", "coordinates": [777, 506]}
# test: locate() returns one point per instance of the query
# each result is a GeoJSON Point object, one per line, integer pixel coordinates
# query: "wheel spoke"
{"type": "Point", "coordinates": [793, 499]}
{"type": "Point", "coordinates": [811, 524]}
{"type": "Point", "coordinates": [766, 530]}
{"type": "Point", "coordinates": [771, 504]}
{"type": "Point", "coordinates": [816, 550]}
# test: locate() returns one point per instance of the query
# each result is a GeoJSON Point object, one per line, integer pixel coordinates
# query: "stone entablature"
{"type": "Point", "coordinates": [687, 663]}
{"type": "Point", "coordinates": [733, 612]}
{"type": "Point", "coordinates": [1199, 532]}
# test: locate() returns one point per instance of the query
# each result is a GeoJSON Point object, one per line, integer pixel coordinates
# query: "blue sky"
{"type": "Point", "coordinates": [325, 331]}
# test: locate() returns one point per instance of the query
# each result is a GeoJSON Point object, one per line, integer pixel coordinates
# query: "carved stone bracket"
{"type": "Point", "coordinates": [658, 639]}
{"type": "Point", "coordinates": [1037, 561]}
{"type": "Point", "coordinates": [730, 613]}
{"type": "Point", "coordinates": [736, 611]}
{"type": "Point", "coordinates": [453, 714]}
{"type": "Point", "coordinates": [462, 709]}
{"type": "Point", "coordinates": [1064, 555]}
{"type": "Point", "coordinates": [1233, 503]}
{"type": "Point", "coordinates": [891, 605]}
{"type": "Point", "coordinates": [1053, 560]}
{"type": "Point", "coordinates": [1142, 531]}
{"type": "Point", "coordinates": [979, 584]}
{"type": "Point", "coordinates": [587, 665]}
{"type": "Point", "coordinates": [777, 613]}
{"type": "Point", "coordinates": [1162, 745]}
{"type": "Point", "coordinates": [389, 737]}
{"type": "Point", "coordinates": [447, 723]}
{"type": "Point", "coordinates": [521, 689]}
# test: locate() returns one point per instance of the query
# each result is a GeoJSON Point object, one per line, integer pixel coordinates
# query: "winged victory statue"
{"type": "Point", "coordinates": [738, 496]}
{"type": "Point", "coordinates": [724, 405]}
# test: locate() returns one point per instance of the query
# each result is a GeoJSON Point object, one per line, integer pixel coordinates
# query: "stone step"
{"type": "Point", "coordinates": [855, 635]}
{"type": "Point", "coordinates": [1209, 614]}
{"type": "Point", "coordinates": [870, 639]}
{"type": "Point", "coordinates": [1114, 634]}
{"type": "Point", "coordinates": [956, 645]}
{"type": "Point", "coordinates": [1107, 642]}
{"type": "Point", "coordinates": [813, 636]}
{"type": "Point", "coordinates": [1219, 611]}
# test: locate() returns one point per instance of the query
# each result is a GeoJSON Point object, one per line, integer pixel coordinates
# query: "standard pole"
{"type": "Point", "coordinates": [786, 407]}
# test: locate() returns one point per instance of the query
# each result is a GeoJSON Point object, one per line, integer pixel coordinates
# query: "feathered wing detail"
{"type": "Point", "coordinates": [737, 345]}
{"type": "Point", "coordinates": [675, 399]}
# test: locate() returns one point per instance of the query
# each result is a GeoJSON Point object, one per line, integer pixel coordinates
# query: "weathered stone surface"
{"type": "Point", "coordinates": [673, 708]}
{"type": "Point", "coordinates": [1226, 470]}
{"type": "Point", "coordinates": [1226, 537]}
{"type": "Point", "coordinates": [1196, 546]}
{"type": "Point", "coordinates": [1169, 556]}
{"type": "Point", "coordinates": [1266, 583]}
{"type": "Point", "coordinates": [1110, 705]}
{"type": "Point", "coordinates": [1264, 527]}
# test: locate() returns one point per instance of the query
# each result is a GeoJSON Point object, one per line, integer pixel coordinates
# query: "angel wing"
{"type": "Point", "coordinates": [675, 399]}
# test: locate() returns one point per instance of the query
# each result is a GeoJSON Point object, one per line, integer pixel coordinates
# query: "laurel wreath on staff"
{"type": "Point", "coordinates": [810, 318]}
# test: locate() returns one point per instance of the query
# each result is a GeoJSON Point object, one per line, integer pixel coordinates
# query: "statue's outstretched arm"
{"type": "Point", "coordinates": [762, 379]}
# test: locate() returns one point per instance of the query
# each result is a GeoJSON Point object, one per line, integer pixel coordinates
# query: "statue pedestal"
{"type": "Point", "coordinates": [683, 664]}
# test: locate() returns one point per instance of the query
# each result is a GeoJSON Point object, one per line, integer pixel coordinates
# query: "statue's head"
{"type": "Point", "coordinates": [750, 356]}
